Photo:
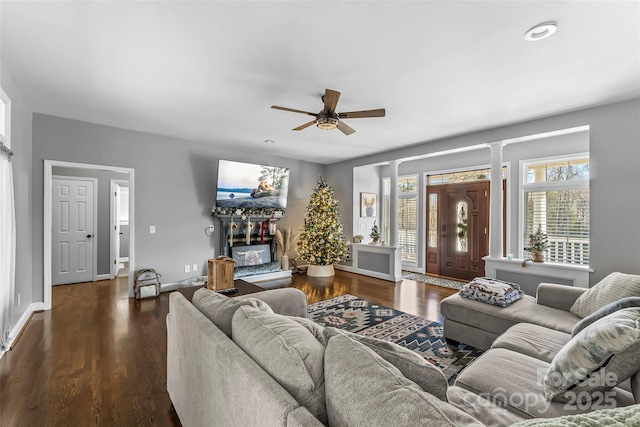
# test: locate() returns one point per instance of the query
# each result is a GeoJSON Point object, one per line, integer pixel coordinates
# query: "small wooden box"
{"type": "Point", "coordinates": [220, 274]}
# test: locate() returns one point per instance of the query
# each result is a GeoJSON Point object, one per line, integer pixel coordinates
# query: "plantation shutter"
{"type": "Point", "coordinates": [564, 216]}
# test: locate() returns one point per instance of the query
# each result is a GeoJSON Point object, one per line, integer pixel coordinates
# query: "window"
{"type": "Point", "coordinates": [7, 225]}
{"type": "Point", "coordinates": [407, 216]}
{"type": "Point", "coordinates": [556, 199]}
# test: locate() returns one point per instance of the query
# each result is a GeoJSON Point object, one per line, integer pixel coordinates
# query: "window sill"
{"type": "Point", "coordinates": [577, 274]}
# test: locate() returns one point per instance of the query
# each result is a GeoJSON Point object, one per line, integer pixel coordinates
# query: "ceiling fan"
{"type": "Point", "coordinates": [328, 119]}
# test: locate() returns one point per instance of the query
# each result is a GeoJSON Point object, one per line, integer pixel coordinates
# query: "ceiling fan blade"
{"type": "Point", "coordinates": [360, 114]}
{"type": "Point", "coordinates": [346, 129]}
{"type": "Point", "coordinates": [304, 126]}
{"type": "Point", "coordinates": [275, 107]}
{"type": "Point", "coordinates": [330, 99]}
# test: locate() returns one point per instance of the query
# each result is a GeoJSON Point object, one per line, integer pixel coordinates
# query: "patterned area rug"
{"type": "Point", "coordinates": [420, 335]}
{"type": "Point", "coordinates": [419, 277]}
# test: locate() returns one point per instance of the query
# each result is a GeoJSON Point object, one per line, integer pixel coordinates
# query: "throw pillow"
{"type": "Point", "coordinates": [599, 357]}
{"type": "Point", "coordinates": [313, 327]}
{"type": "Point", "coordinates": [220, 309]}
{"type": "Point", "coordinates": [363, 389]}
{"type": "Point", "coordinates": [604, 311]}
{"type": "Point", "coordinates": [624, 416]}
{"type": "Point", "coordinates": [612, 288]}
{"type": "Point", "coordinates": [415, 368]}
{"type": "Point", "coordinates": [287, 351]}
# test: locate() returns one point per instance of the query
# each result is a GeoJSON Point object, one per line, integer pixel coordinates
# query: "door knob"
{"type": "Point", "coordinates": [89, 236]}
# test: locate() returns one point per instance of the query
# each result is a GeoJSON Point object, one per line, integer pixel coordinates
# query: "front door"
{"type": "Point", "coordinates": [73, 240]}
{"type": "Point", "coordinates": [462, 222]}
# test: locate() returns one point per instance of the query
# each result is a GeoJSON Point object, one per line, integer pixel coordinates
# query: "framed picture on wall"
{"type": "Point", "coordinates": [368, 205]}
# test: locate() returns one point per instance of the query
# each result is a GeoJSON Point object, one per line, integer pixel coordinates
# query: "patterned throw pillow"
{"type": "Point", "coordinates": [599, 357]}
{"type": "Point", "coordinates": [605, 311]}
{"type": "Point", "coordinates": [612, 288]}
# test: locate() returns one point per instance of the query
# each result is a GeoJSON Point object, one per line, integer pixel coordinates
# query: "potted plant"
{"type": "Point", "coordinates": [538, 243]}
{"type": "Point", "coordinates": [358, 238]}
{"type": "Point", "coordinates": [375, 233]}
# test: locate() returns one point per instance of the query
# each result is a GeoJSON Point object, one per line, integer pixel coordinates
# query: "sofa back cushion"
{"type": "Point", "coordinates": [220, 308]}
{"type": "Point", "coordinates": [612, 288]}
{"type": "Point", "coordinates": [363, 389]}
{"type": "Point", "coordinates": [599, 357]}
{"type": "Point", "coordinates": [414, 367]}
{"type": "Point", "coordinates": [287, 351]}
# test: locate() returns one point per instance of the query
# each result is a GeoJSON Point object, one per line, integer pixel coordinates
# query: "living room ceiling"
{"type": "Point", "coordinates": [209, 71]}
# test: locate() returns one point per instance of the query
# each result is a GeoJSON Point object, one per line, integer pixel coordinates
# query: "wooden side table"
{"type": "Point", "coordinates": [220, 274]}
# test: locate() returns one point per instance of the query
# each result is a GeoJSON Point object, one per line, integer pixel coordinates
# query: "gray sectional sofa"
{"type": "Point", "coordinates": [257, 361]}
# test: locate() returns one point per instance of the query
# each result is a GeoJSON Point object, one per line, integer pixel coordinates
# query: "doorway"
{"type": "Point", "coordinates": [119, 227]}
{"type": "Point", "coordinates": [458, 228]}
{"type": "Point", "coordinates": [48, 218]}
{"type": "Point", "coordinates": [463, 229]}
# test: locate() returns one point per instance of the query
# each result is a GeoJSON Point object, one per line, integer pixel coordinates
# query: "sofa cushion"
{"type": "Point", "coordinates": [414, 367]}
{"type": "Point", "coordinates": [612, 288]}
{"type": "Point", "coordinates": [363, 389]}
{"type": "Point", "coordinates": [220, 309]}
{"type": "Point", "coordinates": [496, 319]}
{"type": "Point", "coordinates": [514, 382]}
{"type": "Point", "coordinates": [599, 357]}
{"type": "Point", "coordinates": [287, 351]}
{"type": "Point", "coordinates": [533, 340]}
{"type": "Point", "coordinates": [604, 311]}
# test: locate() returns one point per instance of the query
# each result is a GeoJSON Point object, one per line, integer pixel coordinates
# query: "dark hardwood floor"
{"type": "Point", "coordinates": [99, 358]}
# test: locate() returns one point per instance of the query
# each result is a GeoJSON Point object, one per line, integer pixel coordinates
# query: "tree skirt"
{"type": "Point", "coordinates": [420, 335]}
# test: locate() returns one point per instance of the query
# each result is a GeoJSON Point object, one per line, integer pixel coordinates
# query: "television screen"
{"type": "Point", "coordinates": [245, 185]}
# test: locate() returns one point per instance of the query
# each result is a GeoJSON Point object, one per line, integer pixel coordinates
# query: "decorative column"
{"type": "Point", "coordinates": [393, 203]}
{"type": "Point", "coordinates": [495, 202]}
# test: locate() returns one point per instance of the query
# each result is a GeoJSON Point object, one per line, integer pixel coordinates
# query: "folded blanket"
{"type": "Point", "coordinates": [501, 301]}
{"type": "Point", "coordinates": [492, 286]}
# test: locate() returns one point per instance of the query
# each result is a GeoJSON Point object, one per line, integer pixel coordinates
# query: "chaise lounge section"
{"type": "Point", "coordinates": [479, 324]}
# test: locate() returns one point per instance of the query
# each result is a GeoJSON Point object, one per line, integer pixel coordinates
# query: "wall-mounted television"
{"type": "Point", "coordinates": [247, 185]}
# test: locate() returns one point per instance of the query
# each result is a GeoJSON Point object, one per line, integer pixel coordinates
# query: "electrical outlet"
{"type": "Point", "coordinates": [19, 295]}
{"type": "Point", "coordinates": [194, 267]}
{"type": "Point", "coordinates": [187, 268]}
{"type": "Point", "coordinates": [152, 229]}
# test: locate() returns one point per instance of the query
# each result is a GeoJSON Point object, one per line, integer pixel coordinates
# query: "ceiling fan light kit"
{"type": "Point", "coordinates": [327, 123]}
{"type": "Point", "coordinates": [328, 119]}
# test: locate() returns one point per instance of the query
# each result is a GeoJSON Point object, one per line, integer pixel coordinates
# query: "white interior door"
{"type": "Point", "coordinates": [73, 230]}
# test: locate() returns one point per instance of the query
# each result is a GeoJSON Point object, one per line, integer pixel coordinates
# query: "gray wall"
{"type": "Point", "coordinates": [174, 187]}
{"type": "Point", "coordinates": [22, 181]}
{"type": "Point", "coordinates": [614, 152]}
{"type": "Point", "coordinates": [103, 237]}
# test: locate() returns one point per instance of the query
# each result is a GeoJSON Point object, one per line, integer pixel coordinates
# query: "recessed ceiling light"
{"type": "Point", "coordinates": [269, 141]}
{"type": "Point", "coordinates": [540, 31]}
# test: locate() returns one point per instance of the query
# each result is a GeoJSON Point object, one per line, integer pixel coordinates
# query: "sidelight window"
{"type": "Point", "coordinates": [407, 216]}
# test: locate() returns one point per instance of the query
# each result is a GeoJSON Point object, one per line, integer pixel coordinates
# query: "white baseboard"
{"type": "Point", "coordinates": [103, 277]}
{"type": "Point", "coordinates": [167, 287]}
{"type": "Point", "coordinates": [22, 322]}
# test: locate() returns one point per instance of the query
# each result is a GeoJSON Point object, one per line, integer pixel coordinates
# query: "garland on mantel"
{"type": "Point", "coordinates": [257, 212]}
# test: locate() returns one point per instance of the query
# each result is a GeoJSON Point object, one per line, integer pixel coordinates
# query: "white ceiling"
{"type": "Point", "coordinates": [209, 71]}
